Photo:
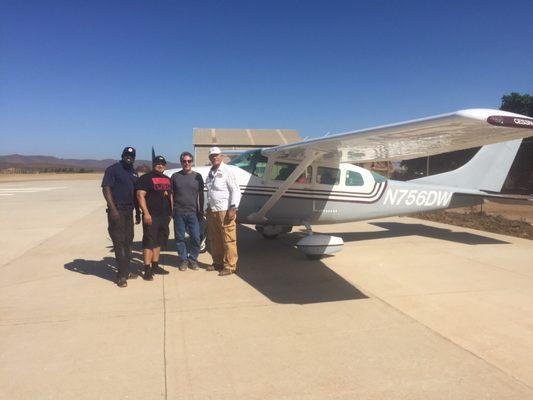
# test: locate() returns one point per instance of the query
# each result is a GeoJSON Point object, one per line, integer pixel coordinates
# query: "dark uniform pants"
{"type": "Point", "coordinates": [121, 232]}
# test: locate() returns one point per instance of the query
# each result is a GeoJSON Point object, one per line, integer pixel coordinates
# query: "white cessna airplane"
{"type": "Point", "coordinates": [315, 181]}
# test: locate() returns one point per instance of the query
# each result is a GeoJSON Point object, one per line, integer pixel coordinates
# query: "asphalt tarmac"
{"type": "Point", "coordinates": [409, 310]}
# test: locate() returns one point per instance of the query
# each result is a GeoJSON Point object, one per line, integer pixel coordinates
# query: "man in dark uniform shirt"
{"type": "Point", "coordinates": [155, 199]}
{"type": "Point", "coordinates": [188, 194]}
{"type": "Point", "coordinates": [118, 187]}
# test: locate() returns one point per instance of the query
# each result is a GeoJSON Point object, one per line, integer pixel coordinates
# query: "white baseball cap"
{"type": "Point", "coordinates": [214, 150]}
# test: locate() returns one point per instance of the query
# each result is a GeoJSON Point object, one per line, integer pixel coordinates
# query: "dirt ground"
{"type": "Point", "coordinates": [507, 219]}
{"type": "Point", "coordinates": [511, 211]}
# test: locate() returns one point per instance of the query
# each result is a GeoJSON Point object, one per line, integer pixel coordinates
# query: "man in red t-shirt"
{"type": "Point", "coordinates": [154, 195]}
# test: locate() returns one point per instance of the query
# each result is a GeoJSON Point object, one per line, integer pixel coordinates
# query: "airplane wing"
{"type": "Point", "coordinates": [496, 197]}
{"type": "Point", "coordinates": [417, 138]}
{"type": "Point", "coordinates": [237, 152]}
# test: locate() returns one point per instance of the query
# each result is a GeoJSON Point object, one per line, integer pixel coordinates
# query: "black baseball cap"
{"type": "Point", "coordinates": [128, 151]}
{"type": "Point", "coordinates": [159, 160]}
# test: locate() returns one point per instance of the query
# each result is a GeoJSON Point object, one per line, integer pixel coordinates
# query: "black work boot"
{"type": "Point", "coordinates": [147, 276]}
{"type": "Point", "coordinates": [156, 269]}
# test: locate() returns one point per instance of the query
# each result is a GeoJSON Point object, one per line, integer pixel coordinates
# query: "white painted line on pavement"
{"type": "Point", "coordinates": [13, 191]}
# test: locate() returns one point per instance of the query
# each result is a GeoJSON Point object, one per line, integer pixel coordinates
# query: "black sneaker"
{"type": "Point", "coordinates": [122, 282]}
{"type": "Point", "coordinates": [148, 276]}
{"type": "Point", "coordinates": [158, 270]}
{"type": "Point", "coordinates": [183, 265]}
{"type": "Point", "coordinates": [193, 265]}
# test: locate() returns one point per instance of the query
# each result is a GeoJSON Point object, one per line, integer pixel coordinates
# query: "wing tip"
{"type": "Point", "coordinates": [483, 114]}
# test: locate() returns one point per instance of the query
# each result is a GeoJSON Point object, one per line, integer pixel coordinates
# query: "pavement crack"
{"type": "Point", "coordinates": [165, 338]}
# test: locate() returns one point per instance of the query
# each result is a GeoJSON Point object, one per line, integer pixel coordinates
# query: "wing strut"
{"type": "Point", "coordinates": [259, 216]}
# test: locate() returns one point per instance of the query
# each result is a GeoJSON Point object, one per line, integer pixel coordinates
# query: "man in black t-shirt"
{"type": "Point", "coordinates": [154, 195]}
{"type": "Point", "coordinates": [118, 188]}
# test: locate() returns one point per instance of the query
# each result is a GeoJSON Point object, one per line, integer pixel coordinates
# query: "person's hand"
{"type": "Point", "coordinates": [147, 219]}
{"type": "Point", "coordinates": [137, 218]}
{"type": "Point", "coordinates": [231, 214]}
{"type": "Point", "coordinates": [115, 215]}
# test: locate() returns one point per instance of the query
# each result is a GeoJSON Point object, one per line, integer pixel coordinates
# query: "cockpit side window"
{"type": "Point", "coordinates": [328, 176]}
{"type": "Point", "coordinates": [305, 176]}
{"type": "Point", "coordinates": [280, 171]}
{"type": "Point", "coordinates": [252, 161]}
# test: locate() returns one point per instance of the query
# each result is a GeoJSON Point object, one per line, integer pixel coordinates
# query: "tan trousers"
{"type": "Point", "coordinates": [223, 238]}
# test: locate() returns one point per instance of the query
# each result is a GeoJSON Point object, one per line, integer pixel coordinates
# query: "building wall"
{"type": "Point", "coordinates": [238, 139]}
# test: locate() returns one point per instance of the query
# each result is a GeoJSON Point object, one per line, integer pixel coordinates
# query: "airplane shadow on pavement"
{"type": "Point", "coordinates": [283, 274]}
{"type": "Point", "coordinates": [398, 229]}
{"type": "Point", "coordinates": [273, 267]}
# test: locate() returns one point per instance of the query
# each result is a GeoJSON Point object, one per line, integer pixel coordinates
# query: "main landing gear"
{"type": "Point", "coordinates": [272, 231]}
{"type": "Point", "coordinates": [316, 246]}
{"type": "Point", "coordinates": [313, 246]}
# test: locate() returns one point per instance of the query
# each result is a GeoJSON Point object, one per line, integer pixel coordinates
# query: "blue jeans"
{"type": "Point", "coordinates": [187, 222]}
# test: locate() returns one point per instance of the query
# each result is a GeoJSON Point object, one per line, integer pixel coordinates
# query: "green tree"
{"type": "Point", "coordinates": [518, 103]}
{"type": "Point", "coordinates": [520, 179]}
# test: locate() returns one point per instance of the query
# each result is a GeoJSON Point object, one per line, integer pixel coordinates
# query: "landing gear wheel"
{"type": "Point", "coordinates": [272, 231]}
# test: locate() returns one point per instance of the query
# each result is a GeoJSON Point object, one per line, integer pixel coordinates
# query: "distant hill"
{"type": "Point", "coordinates": [16, 163]}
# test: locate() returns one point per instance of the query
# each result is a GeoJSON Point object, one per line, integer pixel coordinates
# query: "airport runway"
{"type": "Point", "coordinates": [409, 310]}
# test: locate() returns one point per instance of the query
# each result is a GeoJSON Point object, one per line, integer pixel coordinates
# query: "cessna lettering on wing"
{"type": "Point", "coordinates": [421, 198]}
{"type": "Point", "coordinates": [523, 122]}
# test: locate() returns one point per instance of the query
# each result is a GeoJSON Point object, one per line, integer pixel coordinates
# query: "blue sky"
{"type": "Point", "coordinates": [82, 79]}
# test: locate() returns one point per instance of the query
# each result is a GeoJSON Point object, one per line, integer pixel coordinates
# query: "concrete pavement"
{"type": "Point", "coordinates": [409, 310]}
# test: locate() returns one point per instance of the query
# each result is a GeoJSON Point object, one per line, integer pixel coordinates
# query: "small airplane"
{"type": "Point", "coordinates": [315, 182]}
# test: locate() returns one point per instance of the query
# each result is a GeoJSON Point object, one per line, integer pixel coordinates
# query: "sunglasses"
{"type": "Point", "coordinates": [186, 161]}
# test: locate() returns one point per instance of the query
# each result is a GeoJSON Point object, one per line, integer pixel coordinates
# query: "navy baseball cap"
{"type": "Point", "coordinates": [128, 151]}
{"type": "Point", "coordinates": [159, 160]}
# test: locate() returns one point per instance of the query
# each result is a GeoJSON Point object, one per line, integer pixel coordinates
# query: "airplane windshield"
{"type": "Point", "coordinates": [251, 161]}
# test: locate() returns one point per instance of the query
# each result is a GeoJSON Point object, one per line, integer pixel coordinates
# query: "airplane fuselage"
{"type": "Point", "coordinates": [354, 194]}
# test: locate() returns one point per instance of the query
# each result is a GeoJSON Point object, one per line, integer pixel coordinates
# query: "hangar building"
{"type": "Point", "coordinates": [238, 139]}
